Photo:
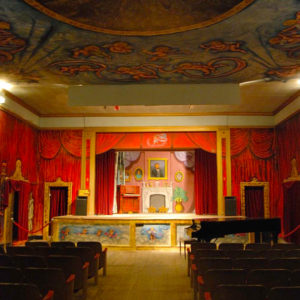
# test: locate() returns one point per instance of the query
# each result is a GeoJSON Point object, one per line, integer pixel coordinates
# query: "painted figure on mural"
{"type": "Point", "coordinates": [157, 171]}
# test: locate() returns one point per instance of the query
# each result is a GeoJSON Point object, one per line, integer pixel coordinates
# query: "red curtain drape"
{"type": "Point", "coordinates": [205, 182]}
{"type": "Point", "coordinates": [253, 155]}
{"type": "Point", "coordinates": [292, 210]}
{"type": "Point", "coordinates": [58, 202]}
{"type": "Point", "coordinates": [24, 189]}
{"type": "Point", "coordinates": [254, 202]}
{"type": "Point", "coordinates": [105, 181]}
{"type": "Point", "coordinates": [60, 156]}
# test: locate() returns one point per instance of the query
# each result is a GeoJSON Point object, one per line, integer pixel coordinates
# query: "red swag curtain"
{"type": "Point", "coordinates": [24, 189]}
{"type": "Point", "coordinates": [253, 155]}
{"type": "Point", "coordinates": [60, 156]}
{"type": "Point", "coordinates": [59, 202]}
{"type": "Point", "coordinates": [254, 202]}
{"type": "Point", "coordinates": [205, 182]}
{"type": "Point", "coordinates": [105, 180]}
{"type": "Point", "coordinates": [292, 210]}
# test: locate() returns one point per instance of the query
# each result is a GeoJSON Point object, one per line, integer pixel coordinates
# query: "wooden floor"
{"type": "Point", "coordinates": [143, 275]}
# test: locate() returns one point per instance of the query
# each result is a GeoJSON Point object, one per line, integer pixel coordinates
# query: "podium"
{"type": "Point", "coordinates": [129, 199]}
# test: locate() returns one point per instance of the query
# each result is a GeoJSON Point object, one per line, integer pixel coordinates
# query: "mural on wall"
{"type": "Point", "coordinates": [40, 41]}
{"type": "Point", "coordinates": [106, 234]}
{"type": "Point", "coordinates": [153, 235]}
{"type": "Point", "coordinates": [181, 233]}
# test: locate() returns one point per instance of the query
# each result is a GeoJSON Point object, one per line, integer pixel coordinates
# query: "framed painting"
{"type": "Point", "coordinates": [138, 174]}
{"type": "Point", "coordinates": [179, 176]}
{"type": "Point", "coordinates": [157, 168]}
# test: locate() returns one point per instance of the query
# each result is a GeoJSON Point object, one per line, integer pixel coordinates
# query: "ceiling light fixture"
{"type": "Point", "coordinates": [298, 81]}
{"type": "Point", "coordinates": [5, 85]}
{"type": "Point", "coordinates": [2, 99]}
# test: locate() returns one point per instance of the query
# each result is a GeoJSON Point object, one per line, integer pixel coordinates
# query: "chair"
{"type": "Point", "coordinates": [239, 253]}
{"type": "Point", "coordinates": [271, 253]}
{"type": "Point", "coordinates": [71, 265]}
{"type": "Point", "coordinates": [250, 263]}
{"type": "Point", "coordinates": [287, 292]}
{"type": "Point", "coordinates": [97, 247]}
{"type": "Point", "coordinates": [269, 277]}
{"type": "Point", "coordinates": [63, 244]}
{"type": "Point", "coordinates": [197, 246]}
{"type": "Point", "coordinates": [292, 253]}
{"type": "Point", "coordinates": [209, 253]}
{"type": "Point", "coordinates": [13, 250]}
{"type": "Point", "coordinates": [295, 278]}
{"type": "Point", "coordinates": [203, 264]}
{"type": "Point", "coordinates": [290, 263]}
{"type": "Point", "coordinates": [6, 260]}
{"type": "Point", "coordinates": [214, 277]}
{"type": "Point", "coordinates": [286, 246]}
{"type": "Point", "coordinates": [24, 291]}
{"type": "Point", "coordinates": [10, 274]}
{"type": "Point", "coordinates": [2, 251]}
{"type": "Point", "coordinates": [37, 244]}
{"type": "Point", "coordinates": [231, 246]}
{"type": "Point", "coordinates": [239, 292]}
{"type": "Point", "coordinates": [51, 279]}
{"type": "Point", "coordinates": [257, 246]}
{"type": "Point", "coordinates": [27, 261]}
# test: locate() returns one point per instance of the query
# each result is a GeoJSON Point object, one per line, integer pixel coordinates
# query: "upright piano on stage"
{"type": "Point", "coordinates": [215, 228]}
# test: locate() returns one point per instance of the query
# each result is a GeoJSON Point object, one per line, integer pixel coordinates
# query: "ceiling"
{"type": "Point", "coordinates": [47, 46]}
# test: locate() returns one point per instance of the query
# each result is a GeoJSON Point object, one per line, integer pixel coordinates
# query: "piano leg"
{"type": "Point", "coordinates": [258, 237]}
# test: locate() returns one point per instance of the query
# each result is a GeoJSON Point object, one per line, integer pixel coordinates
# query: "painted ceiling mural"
{"type": "Point", "coordinates": [153, 41]}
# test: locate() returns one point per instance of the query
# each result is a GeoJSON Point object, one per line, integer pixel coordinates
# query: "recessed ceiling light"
{"type": "Point", "coordinates": [2, 99]}
{"type": "Point", "coordinates": [5, 85]}
{"type": "Point", "coordinates": [298, 81]}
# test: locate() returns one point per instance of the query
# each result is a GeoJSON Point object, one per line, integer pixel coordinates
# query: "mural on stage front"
{"type": "Point", "coordinates": [153, 235]}
{"type": "Point", "coordinates": [181, 233]}
{"type": "Point", "coordinates": [105, 234]}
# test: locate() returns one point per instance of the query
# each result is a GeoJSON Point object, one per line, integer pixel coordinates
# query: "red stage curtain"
{"type": "Point", "coordinates": [154, 140]}
{"type": "Point", "coordinates": [24, 189]}
{"type": "Point", "coordinates": [59, 201]}
{"type": "Point", "coordinates": [205, 182]}
{"type": "Point", "coordinates": [292, 210]}
{"type": "Point", "coordinates": [254, 202]}
{"type": "Point", "coordinates": [105, 181]}
{"type": "Point", "coordinates": [253, 155]}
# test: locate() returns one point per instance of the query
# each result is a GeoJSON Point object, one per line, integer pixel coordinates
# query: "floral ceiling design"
{"type": "Point", "coordinates": [155, 41]}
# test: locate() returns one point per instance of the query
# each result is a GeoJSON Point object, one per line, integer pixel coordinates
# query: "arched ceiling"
{"type": "Point", "coordinates": [92, 42]}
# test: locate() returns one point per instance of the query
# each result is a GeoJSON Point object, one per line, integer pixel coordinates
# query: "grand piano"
{"type": "Point", "coordinates": [214, 228]}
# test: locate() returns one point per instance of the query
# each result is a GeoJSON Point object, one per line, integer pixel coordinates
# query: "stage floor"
{"type": "Point", "coordinates": [161, 216]}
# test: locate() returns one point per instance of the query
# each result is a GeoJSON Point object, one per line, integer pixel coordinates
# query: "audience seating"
{"type": "Point", "coordinates": [231, 246]}
{"type": "Point", "coordinates": [295, 278]}
{"type": "Point", "coordinates": [214, 277]}
{"type": "Point", "coordinates": [286, 246]}
{"type": "Point", "coordinates": [37, 244]}
{"type": "Point", "coordinates": [51, 279]}
{"type": "Point", "coordinates": [292, 253]}
{"type": "Point", "coordinates": [22, 291]}
{"type": "Point", "coordinates": [239, 292]}
{"type": "Point", "coordinates": [288, 292]}
{"type": "Point", "coordinates": [63, 244]}
{"type": "Point", "coordinates": [271, 253]}
{"type": "Point", "coordinates": [6, 260]}
{"type": "Point", "coordinates": [269, 277]}
{"type": "Point", "coordinates": [13, 250]}
{"type": "Point", "coordinates": [71, 265]}
{"type": "Point", "coordinates": [257, 246]}
{"type": "Point", "coordinates": [10, 274]}
{"type": "Point", "coordinates": [2, 250]}
{"type": "Point", "coordinates": [97, 248]}
{"type": "Point", "coordinates": [239, 253]}
{"type": "Point", "coordinates": [290, 263]}
{"type": "Point", "coordinates": [250, 263]}
{"type": "Point", "coordinates": [27, 261]}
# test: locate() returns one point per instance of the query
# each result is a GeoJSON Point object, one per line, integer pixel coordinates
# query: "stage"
{"type": "Point", "coordinates": [130, 231]}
